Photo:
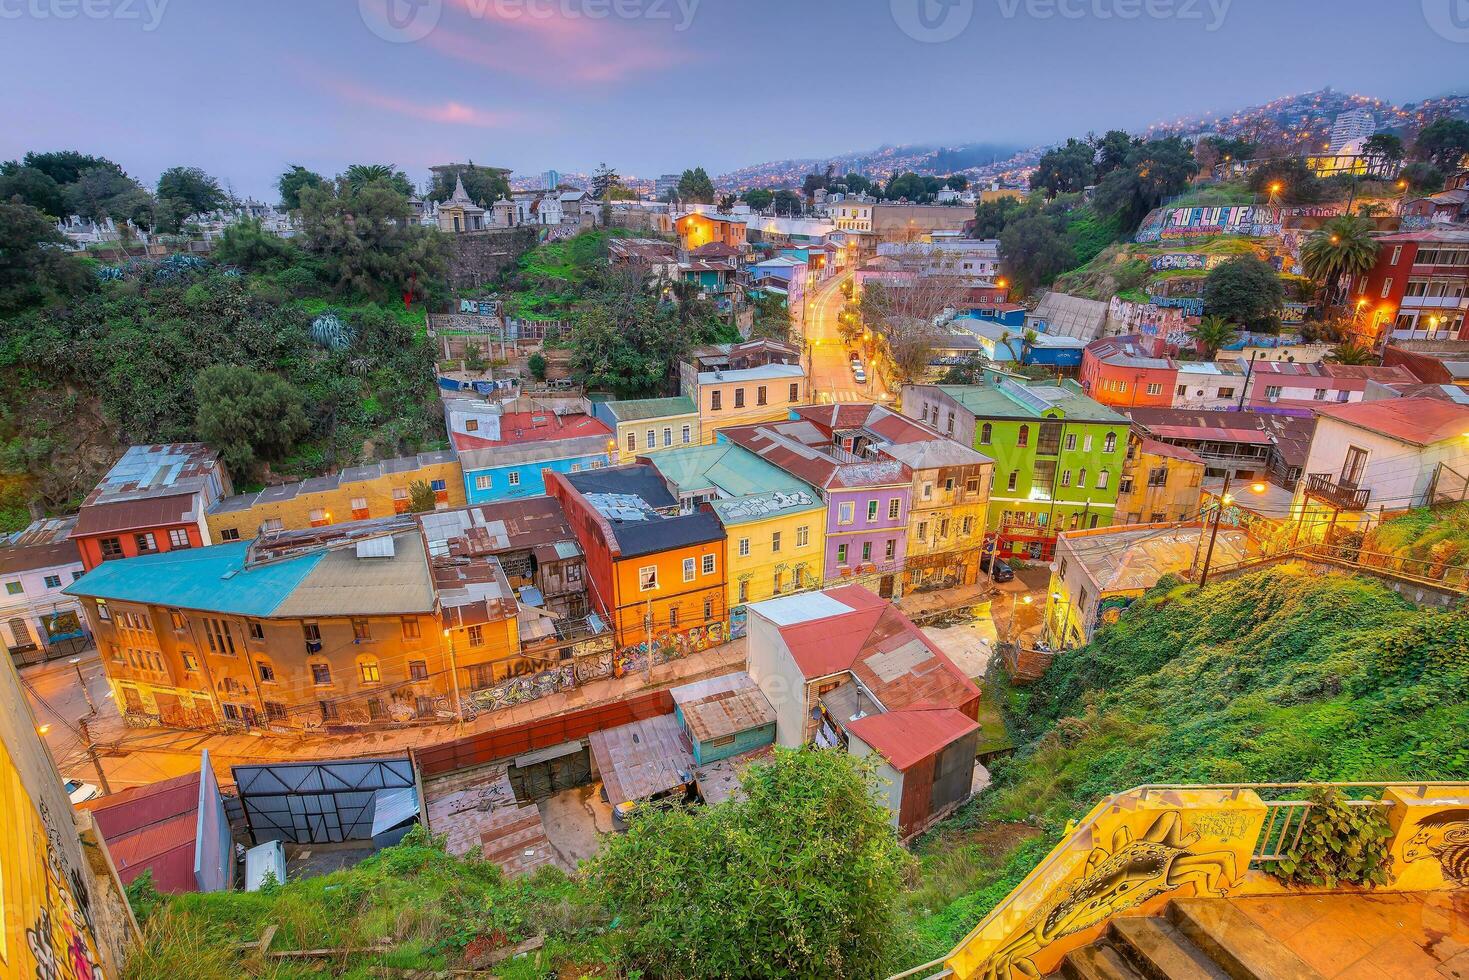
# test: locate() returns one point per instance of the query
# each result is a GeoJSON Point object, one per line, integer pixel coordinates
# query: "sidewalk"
{"type": "Point", "coordinates": [228, 750]}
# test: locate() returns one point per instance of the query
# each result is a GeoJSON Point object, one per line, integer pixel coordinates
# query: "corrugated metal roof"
{"type": "Point", "coordinates": [209, 579]}
{"type": "Point", "coordinates": [343, 584]}
{"type": "Point", "coordinates": [642, 759]}
{"type": "Point", "coordinates": [904, 738]}
{"type": "Point", "coordinates": [650, 408]}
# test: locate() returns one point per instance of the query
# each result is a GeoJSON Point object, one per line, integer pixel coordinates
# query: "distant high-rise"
{"type": "Point", "coordinates": [665, 184]}
{"type": "Point", "coordinates": [552, 179]}
{"type": "Point", "coordinates": [1354, 124]}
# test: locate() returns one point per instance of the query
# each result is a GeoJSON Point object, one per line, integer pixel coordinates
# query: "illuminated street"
{"type": "Point", "coordinates": [831, 371]}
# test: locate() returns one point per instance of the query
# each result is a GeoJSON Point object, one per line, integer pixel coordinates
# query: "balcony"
{"type": "Point", "coordinates": [1342, 495]}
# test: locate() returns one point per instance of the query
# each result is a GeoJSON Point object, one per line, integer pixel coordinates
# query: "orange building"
{"type": "Point", "coordinates": [697, 228]}
{"type": "Point", "coordinates": [656, 574]}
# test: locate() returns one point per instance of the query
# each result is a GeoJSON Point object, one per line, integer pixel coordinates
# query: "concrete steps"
{"type": "Point", "coordinates": [1196, 939]}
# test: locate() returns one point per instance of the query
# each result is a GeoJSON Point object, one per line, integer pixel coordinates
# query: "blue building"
{"type": "Point", "coordinates": [724, 716]}
{"type": "Point", "coordinates": [504, 455]}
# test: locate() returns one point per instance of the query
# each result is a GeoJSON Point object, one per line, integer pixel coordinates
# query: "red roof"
{"type": "Point", "coordinates": [152, 827]}
{"type": "Point", "coordinates": [1420, 421]}
{"type": "Point", "coordinates": [904, 738]}
{"type": "Point", "coordinates": [524, 427]}
{"type": "Point", "coordinates": [1210, 432]}
{"type": "Point", "coordinates": [1156, 448]}
{"type": "Point", "coordinates": [135, 515]}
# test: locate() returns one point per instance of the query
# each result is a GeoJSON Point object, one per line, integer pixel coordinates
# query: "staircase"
{"type": "Point", "coordinates": [1196, 939]}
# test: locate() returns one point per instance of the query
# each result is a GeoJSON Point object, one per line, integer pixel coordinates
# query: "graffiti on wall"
{"type": "Point", "coordinates": [1255, 221]}
{"type": "Point", "coordinates": [666, 647]}
{"type": "Point", "coordinates": [518, 690]}
{"type": "Point", "coordinates": [1442, 838]}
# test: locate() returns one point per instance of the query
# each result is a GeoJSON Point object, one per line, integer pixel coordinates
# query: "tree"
{"type": "Point", "coordinates": [909, 186]}
{"type": "Point", "coordinates": [67, 166]}
{"type": "Point", "coordinates": [359, 175]}
{"type": "Point", "coordinates": [367, 241]}
{"type": "Point", "coordinates": [957, 182]}
{"type": "Point", "coordinates": [1386, 152]}
{"type": "Point", "coordinates": [34, 187]}
{"type": "Point", "coordinates": [1342, 247]}
{"type": "Point", "coordinates": [854, 183]}
{"type": "Point", "coordinates": [1065, 169]}
{"type": "Point", "coordinates": [484, 185]}
{"type": "Point", "coordinates": [248, 245]}
{"type": "Point", "coordinates": [726, 203]}
{"type": "Point", "coordinates": [292, 181]}
{"type": "Point", "coordinates": [1245, 290]}
{"type": "Point", "coordinates": [772, 320]}
{"type": "Point", "coordinates": [990, 217]}
{"type": "Point", "coordinates": [1214, 333]}
{"type": "Point", "coordinates": [247, 415]}
{"type": "Point", "coordinates": [1444, 143]}
{"type": "Point", "coordinates": [787, 202]}
{"type": "Point", "coordinates": [757, 198]}
{"type": "Point", "coordinates": [105, 192]}
{"type": "Point", "coordinates": [421, 498]}
{"type": "Point", "coordinates": [537, 365]}
{"type": "Point", "coordinates": [1035, 251]}
{"type": "Point", "coordinates": [605, 181]}
{"type": "Point", "coordinates": [1151, 172]}
{"type": "Point", "coordinates": [1422, 177]}
{"type": "Point", "coordinates": [33, 269]}
{"type": "Point", "coordinates": [625, 341]}
{"type": "Point", "coordinates": [800, 878]}
{"type": "Point", "coordinates": [695, 186]}
{"type": "Point", "coordinates": [184, 192]}
{"type": "Point", "coordinates": [902, 315]}
{"type": "Point", "coordinates": [1112, 151]}
{"type": "Point", "coordinates": [1287, 179]}
{"type": "Point", "coordinates": [1352, 353]}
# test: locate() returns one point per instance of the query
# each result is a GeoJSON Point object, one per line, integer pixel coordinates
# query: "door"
{"type": "Point", "coordinates": [1353, 467]}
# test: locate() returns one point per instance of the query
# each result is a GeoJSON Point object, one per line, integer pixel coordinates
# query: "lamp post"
{"type": "Point", "coordinates": [454, 674]}
{"type": "Point", "coordinates": [1224, 501]}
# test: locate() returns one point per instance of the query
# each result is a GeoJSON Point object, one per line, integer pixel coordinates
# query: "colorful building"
{"type": "Point", "coordinates": [508, 460]}
{"type": "Point", "coordinates": [1058, 454]}
{"type": "Point", "coordinates": [1159, 483]}
{"type": "Point", "coordinates": [1418, 290]}
{"type": "Point", "coordinates": [656, 575]}
{"type": "Point", "coordinates": [745, 396]}
{"type": "Point", "coordinates": [37, 620]}
{"type": "Point", "coordinates": [357, 493]}
{"type": "Point", "coordinates": [774, 524]}
{"type": "Point", "coordinates": [647, 425]}
{"type": "Point", "coordinates": [867, 498]}
{"type": "Point", "coordinates": [1116, 371]}
{"type": "Point", "coordinates": [700, 228]}
{"type": "Point", "coordinates": [153, 500]}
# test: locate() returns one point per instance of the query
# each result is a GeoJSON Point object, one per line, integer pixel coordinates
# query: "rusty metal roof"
{"type": "Point", "coordinates": [642, 759]}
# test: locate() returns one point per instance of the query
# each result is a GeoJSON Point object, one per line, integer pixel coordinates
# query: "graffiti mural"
{"type": "Point", "coordinates": [1250, 220]}
{"type": "Point", "coordinates": [1442, 837]}
{"type": "Point", "coordinates": [518, 690]}
{"type": "Point", "coordinates": [738, 622]}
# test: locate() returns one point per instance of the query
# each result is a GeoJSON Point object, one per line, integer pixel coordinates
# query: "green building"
{"type": "Point", "coordinates": [1058, 454]}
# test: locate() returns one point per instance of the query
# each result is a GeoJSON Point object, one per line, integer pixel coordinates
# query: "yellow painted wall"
{"type": "Point", "coordinates": [640, 429]}
{"type": "Point", "coordinates": [378, 493]}
{"type": "Point", "coordinates": [777, 408]}
{"type": "Point", "coordinates": [932, 505]}
{"type": "Point", "coordinates": [758, 568]}
{"type": "Point", "coordinates": [1179, 499]}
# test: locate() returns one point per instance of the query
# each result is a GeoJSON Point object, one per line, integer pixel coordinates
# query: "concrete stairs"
{"type": "Point", "coordinates": [1195, 939]}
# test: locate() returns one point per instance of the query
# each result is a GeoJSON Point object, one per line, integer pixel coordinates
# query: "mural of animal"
{"type": "Point", "coordinates": [1135, 870]}
{"type": "Point", "coordinates": [1443, 836]}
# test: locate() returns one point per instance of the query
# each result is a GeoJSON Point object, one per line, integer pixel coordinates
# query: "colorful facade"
{"type": "Point", "coordinates": [506, 459]}
{"type": "Point", "coordinates": [700, 228]}
{"type": "Point", "coordinates": [647, 425]}
{"type": "Point", "coordinates": [1159, 483]}
{"type": "Point", "coordinates": [1418, 289]}
{"type": "Point", "coordinates": [357, 493]}
{"type": "Point", "coordinates": [746, 396]}
{"type": "Point", "coordinates": [1058, 454]}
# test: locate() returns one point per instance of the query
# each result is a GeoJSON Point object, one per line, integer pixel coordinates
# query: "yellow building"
{"type": "Point", "coordinates": [1159, 483]}
{"type": "Point", "coordinates": [946, 519]}
{"type": "Point", "coordinates": [747, 396]}
{"type": "Point", "coordinates": [357, 493]}
{"type": "Point", "coordinates": [648, 425]}
{"type": "Point", "coordinates": [774, 524]}
{"type": "Point", "coordinates": [288, 632]}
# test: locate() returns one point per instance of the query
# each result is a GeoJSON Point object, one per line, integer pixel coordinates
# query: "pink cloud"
{"type": "Point", "coordinates": [449, 112]}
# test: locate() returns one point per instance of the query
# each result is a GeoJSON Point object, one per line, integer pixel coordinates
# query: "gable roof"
{"type": "Point", "coordinates": [800, 449]}
{"type": "Point", "coordinates": [1420, 421]}
{"type": "Point", "coordinates": [905, 738]}
{"type": "Point", "coordinates": [637, 409]}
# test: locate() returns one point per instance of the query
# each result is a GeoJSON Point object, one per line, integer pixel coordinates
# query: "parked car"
{"type": "Point", "coordinates": [80, 792]}
{"type": "Point", "coordinates": [680, 797]}
{"type": "Point", "coordinates": [859, 375]}
{"type": "Point", "coordinates": [999, 570]}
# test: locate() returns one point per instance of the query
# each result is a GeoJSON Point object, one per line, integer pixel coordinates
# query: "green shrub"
{"type": "Point", "coordinates": [1338, 844]}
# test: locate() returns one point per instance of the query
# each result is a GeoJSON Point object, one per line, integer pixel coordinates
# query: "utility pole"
{"type": "Point", "coordinates": [91, 751]}
{"type": "Point", "coordinates": [648, 636]}
{"type": "Point", "coordinates": [1249, 370]}
{"type": "Point", "coordinates": [76, 663]}
{"type": "Point", "coordinates": [454, 675]}
{"type": "Point", "coordinates": [1214, 531]}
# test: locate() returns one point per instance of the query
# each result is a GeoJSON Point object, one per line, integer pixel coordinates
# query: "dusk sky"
{"type": "Point", "coordinates": [244, 88]}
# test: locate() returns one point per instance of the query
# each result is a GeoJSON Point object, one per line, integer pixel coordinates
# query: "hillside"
{"type": "Point", "coordinates": [1284, 675]}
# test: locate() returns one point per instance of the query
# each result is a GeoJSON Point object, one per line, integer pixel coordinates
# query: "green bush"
{"type": "Point", "coordinates": [1338, 844]}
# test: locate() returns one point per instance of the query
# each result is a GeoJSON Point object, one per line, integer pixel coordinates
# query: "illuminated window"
{"type": "Point", "coordinates": [368, 667]}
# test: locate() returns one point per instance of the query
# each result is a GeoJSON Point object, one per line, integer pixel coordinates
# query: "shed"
{"type": "Point", "coordinates": [724, 716]}
{"type": "Point", "coordinates": [643, 759]}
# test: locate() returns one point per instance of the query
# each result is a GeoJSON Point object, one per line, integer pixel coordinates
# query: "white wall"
{"type": "Point", "coordinates": [1398, 474]}
{"type": "Point", "coordinates": [773, 669]}
{"type": "Point", "coordinates": [889, 780]}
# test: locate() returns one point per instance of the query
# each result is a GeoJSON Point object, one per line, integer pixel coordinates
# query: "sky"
{"type": "Point", "coordinates": [244, 88]}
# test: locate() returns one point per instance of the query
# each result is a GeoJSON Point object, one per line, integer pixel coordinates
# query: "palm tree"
{"type": "Point", "coordinates": [1351, 353]}
{"type": "Point", "coordinates": [1340, 248]}
{"type": "Point", "coordinates": [1027, 342]}
{"type": "Point", "coordinates": [1214, 332]}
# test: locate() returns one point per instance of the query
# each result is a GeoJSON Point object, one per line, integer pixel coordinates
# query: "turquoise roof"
{"type": "Point", "coordinates": [750, 487]}
{"type": "Point", "coordinates": [211, 579]}
{"type": "Point", "coordinates": [1009, 399]}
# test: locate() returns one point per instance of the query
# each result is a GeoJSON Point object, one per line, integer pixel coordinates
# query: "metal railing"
{"type": "Point", "coordinates": [1343, 495]}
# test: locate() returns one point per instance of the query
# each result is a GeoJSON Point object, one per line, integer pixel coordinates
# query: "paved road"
{"type": "Point", "coordinates": [831, 372]}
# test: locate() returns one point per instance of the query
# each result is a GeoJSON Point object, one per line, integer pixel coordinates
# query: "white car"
{"type": "Point", "coordinates": [859, 375]}
{"type": "Point", "coordinates": [80, 792]}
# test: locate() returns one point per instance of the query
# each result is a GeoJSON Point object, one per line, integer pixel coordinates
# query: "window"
{"type": "Point", "coordinates": [178, 538]}
{"type": "Point", "coordinates": [312, 632]}
{"type": "Point", "coordinates": [513, 478]}
{"type": "Point", "coordinates": [1102, 480]}
{"type": "Point", "coordinates": [871, 510]}
{"type": "Point", "coordinates": [14, 588]}
{"type": "Point", "coordinates": [471, 425]}
{"type": "Point", "coordinates": [410, 628]}
{"type": "Point", "coordinates": [1180, 391]}
{"type": "Point", "coordinates": [895, 507]}
{"type": "Point", "coordinates": [1226, 392]}
{"type": "Point", "coordinates": [1158, 476]}
{"type": "Point", "coordinates": [744, 547]}
{"type": "Point", "coordinates": [318, 517]}
{"type": "Point", "coordinates": [257, 630]}
{"type": "Point", "coordinates": [476, 635]}
{"type": "Point", "coordinates": [1272, 392]}
{"type": "Point", "coordinates": [967, 526]}
{"type": "Point", "coordinates": [922, 529]}
{"type": "Point", "coordinates": [1386, 287]}
{"type": "Point", "coordinates": [146, 543]}
{"type": "Point", "coordinates": [841, 554]}
{"type": "Point", "coordinates": [110, 548]}
{"type": "Point", "coordinates": [708, 565]}
{"type": "Point", "coordinates": [221, 640]}
{"type": "Point", "coordinates": [776, 582]}
{"type": "Point", "coordinates": [417, 670]}
{"type": "Point", "coordinates": [1109, 444]}
{"type": "Point", "coordinates": [75, 576]}
{"type": "Point", "coordinates": [846, 512]}
{"type": "Point", "coordinates": [1010, 483]}
{"type": "Point", "coordinates": [1023, 438]}
{"type": "Point", "coordinates": [275, 711]}
{"type": "Point", "coordinates": [949, 485]}
{"type": "Point", "coordinates": [673, 617]}
{"type": "Point", "coordinates": [708, 608]}
{"type": "Point", "coordinates": [1397, 253]}
{"type": "Point", "coordinates": [714, 400]}
{"type": "Point", "coordinates": [1071, 442]}
{"type": "Point", "coordinates": [1081, 478]}
{"type": "Point", "coordinates": [321, 674]}
{"type": "Point", "coordinates": [267, 672]}
{"type": "Point", "coordinates": [482, 482]}
{"type": "Point", "coordinates": [647, 578]}
{"type": "Point", "coordinates": [760, 397]}
{"type": "Point", "coordinates": [943, 528]}
{"type": "Point", "coordinates": [687, 435]}
{"type": "Point", "coordinates": [650, 439]}
{"type": "Point", "coordinates": [400, 500]}
{"type": "Point", "coordinates": [744, 590]}
{"type": "Point", "coordinates": [1353, 467]}
{"type": "Point", "coordinates": [689, 568]}
{"type": "Point", "coordinates": [867, 551]}
{"type": "Point", "coordinates": [774, 542]}
{"type": "Point", "coordinates": [667, 435]}
{"type": "Point", "coordinates": [359, 509]}
{"type": "Point", "coordinates": [971, 485]}
{"type": "Point", "coordinates": [891, 550]}
{"type": "Point", "coordinates": [438, 486]}
{"type": "Point", "coordinates": [1318, 394]}
{"type": "Point", "coordinates": [632, 442]}
{"type": "Point", "coordinates": [739, 398]}
{"type": "Point", "coordinates": [369, 669]}
{"type": "Point", "coordinates": [191, 662]}
{"type": "Point", "coordinates": [361, 630]}
{"type": "Point", "coordinates": [795, 394]}
{"type": "Point", "coordinates": [52, 581]}
{"type": "Point", "coordinates": [1065, 478]}
{"type": "Point", "coordinates": [803, 536]}
{"type": "Point", "coordinates": [328, 710]}
{"type": "Point", "coordinates": [230, 534]}
{"type": "Point", "coordinates": [986, 433]}
{"type": "Point", "coordinates": [1155, 389]}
